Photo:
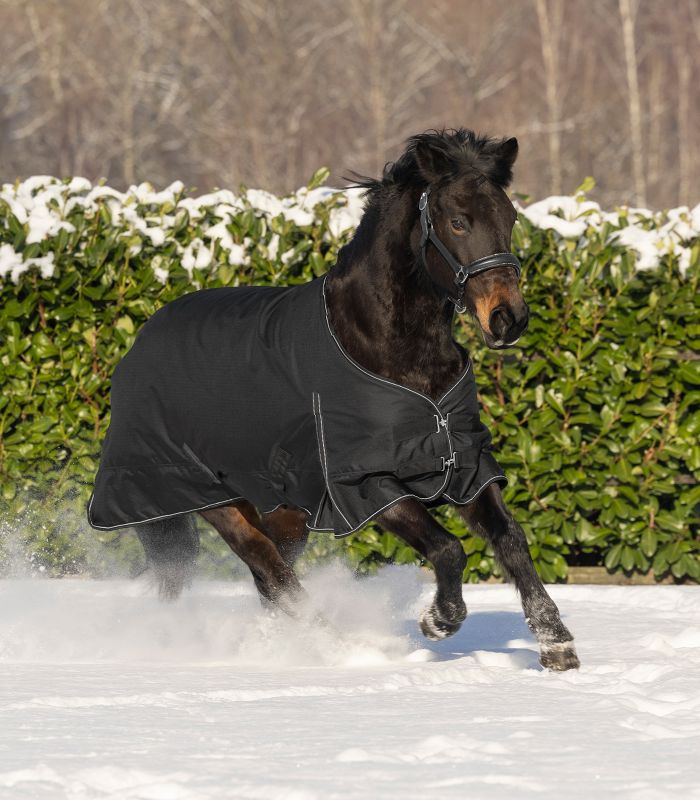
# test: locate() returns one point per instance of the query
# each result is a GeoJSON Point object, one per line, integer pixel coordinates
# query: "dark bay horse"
{"type": "Point", "coordinates": [391, 298]}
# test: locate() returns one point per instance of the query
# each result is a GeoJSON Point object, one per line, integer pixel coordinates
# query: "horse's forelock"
{"type": "Point", "coordinates": [443, 155]}
{"type": "Point", "coordinates": [456, 152]}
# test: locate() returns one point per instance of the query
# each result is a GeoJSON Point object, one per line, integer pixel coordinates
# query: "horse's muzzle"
{"type": "Point", "coordinates": [506, 324]}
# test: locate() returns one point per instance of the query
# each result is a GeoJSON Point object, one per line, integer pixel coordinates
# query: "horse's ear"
{"type": "Point", "coordinates": [432, 162]}
{"type": "Point", "coordinates": [503, 157]}
{"type": "Point", "coordinates": [508, 150]}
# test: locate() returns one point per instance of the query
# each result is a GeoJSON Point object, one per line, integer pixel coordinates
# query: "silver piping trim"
{"type": "Point", "coordinates": [279, 505]}
{"type": "Point", "coordinates": [316, 400]}
{"type": "Point", "coordinates": [379, 378]}
{"type": "Point", "coordinates": [459, 380]}
{"type": "Point", "coordinates": [320, 457]}
{"type": "Point", "coordinates": [478, 491]}
{"type": "Point", "coordinates": [416, 497]}
{"type": "Point", "coordinates": [176, 514]}
{"type": "Point", "coordinates": [391, 503]}
{"type": "Point", "coordinates": [153, 519]}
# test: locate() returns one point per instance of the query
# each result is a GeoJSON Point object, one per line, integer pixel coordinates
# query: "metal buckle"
{"type": "Point", "coordinates": [423, 202]}
{"type": "Point", "coordinates": [447, 462]}
{"type": "Point", "coordinates": [461, 276]}
{"type": "Point", "coordinates": [441, 423]}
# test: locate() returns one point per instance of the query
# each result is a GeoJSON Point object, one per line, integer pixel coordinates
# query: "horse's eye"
{"type": "Point", "coordinates": [457, 225]}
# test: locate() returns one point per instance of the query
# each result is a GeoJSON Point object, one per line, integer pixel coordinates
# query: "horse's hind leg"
{"type": "Point", "coordinates": [241, 528]}
{"type": "Point", "coordinates": [286, 527]}
{"type": "Point", "coordinates": [412, 522]}
{"type": "Point", "coordinates": [488, 517]}
{"type": "Point", "coordinates": [171, 547]}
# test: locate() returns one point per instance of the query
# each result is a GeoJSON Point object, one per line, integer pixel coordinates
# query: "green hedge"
{"type": "Point", "coordinates": [596, 416]}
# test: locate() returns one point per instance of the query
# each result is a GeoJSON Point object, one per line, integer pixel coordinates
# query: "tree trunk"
{"type": "Point", "coordinates": [628, 12]}
{"type": "Point", "coordinates": [549, 38]}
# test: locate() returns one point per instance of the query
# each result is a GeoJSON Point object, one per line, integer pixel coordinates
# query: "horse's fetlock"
{"type": "Point", "coordinates": [453, 610]}
{"type": "Point", "coordinates": [450, 555]}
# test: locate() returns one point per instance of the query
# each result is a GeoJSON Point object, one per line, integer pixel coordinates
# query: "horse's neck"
{"type": "Point", "coordinates": [386, 318]}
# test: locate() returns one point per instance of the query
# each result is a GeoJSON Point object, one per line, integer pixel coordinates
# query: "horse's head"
{"type": "Point", "coordinates": [466, 217]}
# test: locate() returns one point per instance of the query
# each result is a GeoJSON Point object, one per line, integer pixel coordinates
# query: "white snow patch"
{"type": "Point", "coordinates": [347, 216]}
{"type": "Point", "coordinates": [45, 264]}
{"type": "Point", "coordinates": [264, 201]}
{"type": "Point", "coordinates": [43, 223]}
{"type": "Point", "coordinates": [105, 692]}
{"type": "Point", "coordinates": [273, 246]}
{"type": "Point", "coordinates": [561, 214]}
{"type": "Point", "coordinates": [11, 262]}
{"type": "Point", "coordinates": [45, 205]}
{"type": "Point", "coordinates": [650, 235]}
{"type": "Point", "coordinates": [196, 255]}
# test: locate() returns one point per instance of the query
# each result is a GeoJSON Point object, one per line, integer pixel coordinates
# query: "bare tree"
{"type": "Point", "coordinates": [628, 10]}
{"type": "Point", "coordinates": [684, 40]}
{"type": "Point", "coordinates": [549, 17]}
{"type": "Point", "coordinates": [219, 92]}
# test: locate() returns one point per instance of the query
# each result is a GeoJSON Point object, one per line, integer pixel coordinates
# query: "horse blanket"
{"type": "Point", "coordinates": [247, 393]}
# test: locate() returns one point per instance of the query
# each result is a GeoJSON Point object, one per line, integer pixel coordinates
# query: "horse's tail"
{"type": "Point", "coordinates": [171, 546]}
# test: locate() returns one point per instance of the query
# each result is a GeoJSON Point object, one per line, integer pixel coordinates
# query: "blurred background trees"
{"type": "Point", "coordinates": [262, 92]}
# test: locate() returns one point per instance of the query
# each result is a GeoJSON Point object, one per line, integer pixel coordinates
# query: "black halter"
{"type": "Point", "coordinates": [462, 272]}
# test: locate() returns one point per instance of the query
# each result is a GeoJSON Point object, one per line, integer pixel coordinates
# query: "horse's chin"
{"type": "Point", "coordinates": [497, 344]}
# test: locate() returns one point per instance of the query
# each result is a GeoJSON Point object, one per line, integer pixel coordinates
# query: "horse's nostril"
{"type": "Point", "coordinates": [500, 321]}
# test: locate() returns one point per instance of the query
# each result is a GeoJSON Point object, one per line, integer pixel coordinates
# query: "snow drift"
{"type": "Point", "coordinates": [106, 693]}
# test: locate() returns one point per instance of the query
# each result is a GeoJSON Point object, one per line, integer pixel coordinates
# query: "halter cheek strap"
{"type": "Point", "coordinates": [462, 272]}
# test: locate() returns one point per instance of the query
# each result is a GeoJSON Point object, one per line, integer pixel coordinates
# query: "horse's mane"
{"type": "Point", "coordinates": [458, 152]}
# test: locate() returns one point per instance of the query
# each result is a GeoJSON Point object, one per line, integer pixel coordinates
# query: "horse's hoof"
{"type": "Point", "coordinates": [559, 657]}
{"type": "Point", "coordinates": [434, 627]}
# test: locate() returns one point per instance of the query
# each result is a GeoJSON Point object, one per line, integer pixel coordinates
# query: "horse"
{"type": "Point", "coordinates": [434, 241]}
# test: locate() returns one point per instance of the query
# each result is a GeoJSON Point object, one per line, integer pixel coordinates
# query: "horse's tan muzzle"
{"type": "Point", "coordinates": [506, 324]}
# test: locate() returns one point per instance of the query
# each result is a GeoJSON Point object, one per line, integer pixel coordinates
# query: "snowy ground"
{"type": "Point", "coordinates": [106, 694]}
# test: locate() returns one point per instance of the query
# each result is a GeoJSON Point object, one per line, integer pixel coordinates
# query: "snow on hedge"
{"type": "Point", "coordinates": [44, 207]}
{"type": "Point", "coordinates": [650, 234]}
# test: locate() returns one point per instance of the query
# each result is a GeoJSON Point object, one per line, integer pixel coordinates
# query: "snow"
{"type": "Point", "coordinates": [43, 205]}
{"type": "Point", "coordinates": [196, 255]}
{"type": "Point", "coordinates": [273, 246]}
{"type": "Point", "coordinates": [545, 214]}
{"type": "Point", "coordinates": [42, 223]}
{"type": "Point", "coordinates": [11, 262]}
{"type": "Point", "coordinates": [106, 693]}
{"type": "Point", "coordinates": [648, 235]}
{"type": "Point", "coordinates": [645, 243]}
{"type": "Point", "coordinates": [347, 216]}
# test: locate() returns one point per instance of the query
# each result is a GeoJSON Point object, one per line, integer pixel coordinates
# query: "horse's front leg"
{"type": "Point", "coordinates": [411, 521]}
{"type": "Point", "coordinates": [489, 518]}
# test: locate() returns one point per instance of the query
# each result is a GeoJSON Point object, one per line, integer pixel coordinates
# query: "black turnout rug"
{"type": "Point", "coordinates": [246, 393]}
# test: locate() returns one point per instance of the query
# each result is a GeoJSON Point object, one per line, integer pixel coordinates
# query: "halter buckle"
{"type": "Point", "coordinates": [423, 202]}
{"type": "Point", "coordinates": [461, 276]}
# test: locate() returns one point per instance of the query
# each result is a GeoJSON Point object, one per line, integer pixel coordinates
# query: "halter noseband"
{"type": "Point", "coordinates": [462, 272]}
